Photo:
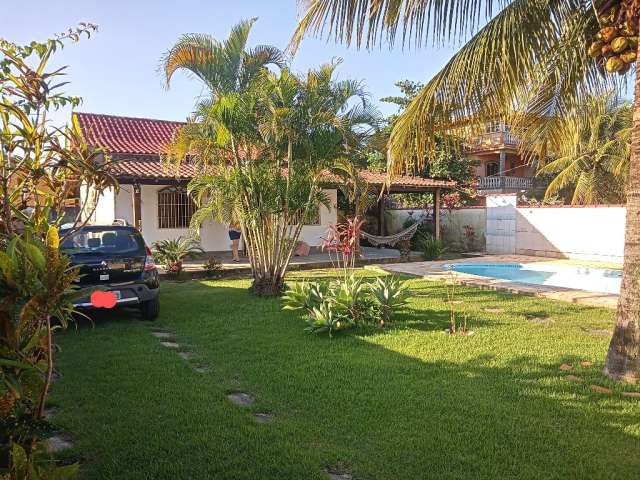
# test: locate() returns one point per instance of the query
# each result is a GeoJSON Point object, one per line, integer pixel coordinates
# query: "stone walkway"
{"type": "Point", "coordinates": [370, 255]}
{"type": "Point", "coordinates": [438, 271]}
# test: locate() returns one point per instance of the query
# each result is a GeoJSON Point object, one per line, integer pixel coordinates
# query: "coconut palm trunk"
{"type": "Point", "coordinates": [623, 358]}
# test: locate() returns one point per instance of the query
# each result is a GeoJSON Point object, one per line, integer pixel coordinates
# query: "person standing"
{"type": "Point", "coordinates": [234, 236]}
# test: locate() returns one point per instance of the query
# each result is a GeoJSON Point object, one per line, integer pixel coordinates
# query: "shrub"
{"type": "Point", "coordinates": [304, 296]}
{"type": "Point", "coordinates": [389, 293]}
{"type": "Point", "coordinates": [431, 247]}
{"type": "Point", "coordinates": [345, 303]}
{"type": "Point", "coordinates": [212, 267]}
{"type": "Point", "coordinates": [171, 253]}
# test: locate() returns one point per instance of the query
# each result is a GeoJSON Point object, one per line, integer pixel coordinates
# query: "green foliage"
{"type": "Point", "coordinates": [431, 247]}
{"type": "Point", "coordinates": [590, 149]}
{"type": "Point", "coordinates": [172, 252]}
{"type": "Point", "coordinates": [390, 293]}
{"type": "Point", "coordinates": [212, 267]}
{"type": "Point", "coordinates": [40, 165]}
{"type": "Point", "coordinates": [36, 285]}
{"type": "Point", "coordinates": [37, 466]}
{"type": "Point", "coordinates": [261, 139]}
{"type": "Point", "coordinates": [425, 229]}
{"type": "Point", "coordinates": [346, 302]}
{"type": "Point", "coordinates": [304, 296]}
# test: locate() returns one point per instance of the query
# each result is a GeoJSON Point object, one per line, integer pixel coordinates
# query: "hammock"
{"type": "Point", "coordinates": [390, 240]}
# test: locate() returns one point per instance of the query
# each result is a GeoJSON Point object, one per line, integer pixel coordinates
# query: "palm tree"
{"type": "Point", "coordinates": [530, 57]}
{"type": "Point", "coordinates": [261, 140]}
{"type": "Point", "coordinates": [590, 147]}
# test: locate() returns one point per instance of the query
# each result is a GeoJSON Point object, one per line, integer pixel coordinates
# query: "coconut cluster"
{"type": "Point", "coordinates": [617, 41]}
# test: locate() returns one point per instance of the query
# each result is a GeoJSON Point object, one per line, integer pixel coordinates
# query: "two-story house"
{"type": "Point", "coordinates": [501, 169]}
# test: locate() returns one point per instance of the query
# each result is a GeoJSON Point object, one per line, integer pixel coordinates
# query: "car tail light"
{"type": "Point", "coordinates": [149, 264]}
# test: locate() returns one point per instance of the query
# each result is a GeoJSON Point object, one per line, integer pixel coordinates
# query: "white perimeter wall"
{"type": "Point", "coordinates": [214, 236]}
{"type": "Point", "coordinates": [587, 233]}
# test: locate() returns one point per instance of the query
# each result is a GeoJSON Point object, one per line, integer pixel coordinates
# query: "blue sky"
{"type": "Point", "coordinates": [116, 70]}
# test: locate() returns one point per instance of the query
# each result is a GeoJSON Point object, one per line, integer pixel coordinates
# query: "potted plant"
{"type": "Point", "coordinates": [171, 253]}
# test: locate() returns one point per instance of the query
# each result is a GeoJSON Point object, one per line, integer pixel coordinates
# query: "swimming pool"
{"type": "Point", "coordinates": [581, 278]}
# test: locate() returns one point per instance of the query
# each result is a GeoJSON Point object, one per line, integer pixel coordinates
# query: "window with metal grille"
{"type": "Point", "coordinates": [175, 208]}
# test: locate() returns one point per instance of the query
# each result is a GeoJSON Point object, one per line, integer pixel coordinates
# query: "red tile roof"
{"type": "Point", "coordinates": [151, 169]}
{"type": "Point", "coordinates": [126, 135]}
{"type": "Point", "coordinates": [138, 142]}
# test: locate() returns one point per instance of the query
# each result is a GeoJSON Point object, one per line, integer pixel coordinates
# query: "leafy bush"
{"type": "Point", "coordinates": [36, 286]}
{"type": "Point", "coordinates": [431, 247]}
{"type": "Point", "coordinates": [171, 253]}
{"type": "Point", "coordinates": [389, 293]}
{"type": "Point", "coordinates": [212, 267]}
{"type": "Point", "coordinates": [304, 296]}
{"type": "Point", "coordinates": [346, 303]}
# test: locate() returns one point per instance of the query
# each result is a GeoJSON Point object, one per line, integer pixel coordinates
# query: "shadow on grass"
{"type": "Point", "coordinates": [383, 406]}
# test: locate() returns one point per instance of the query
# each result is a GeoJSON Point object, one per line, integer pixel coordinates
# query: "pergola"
{"type": "Point", "coordinates": [407, 184]}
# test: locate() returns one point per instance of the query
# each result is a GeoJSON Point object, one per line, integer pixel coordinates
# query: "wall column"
{"type": "Point", "coordinates": [503, 163]}
{"type": "Point", "coordinates": [381, 215]}
{"type": "Point", "coordinates": [137, 206]}
{"type": "Point", "coordinates": [436, 213]}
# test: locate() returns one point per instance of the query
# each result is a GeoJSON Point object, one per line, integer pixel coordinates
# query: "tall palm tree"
{"type": "Point", "coordinates": [590, 147]}
{"type": "Point", "coordinates": [261, 140]}
{"type": "Point", "coordinates": [529, 57]}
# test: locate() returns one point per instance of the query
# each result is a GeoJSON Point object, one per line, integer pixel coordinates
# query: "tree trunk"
{"type": "Point", "coordinates": [623, 358]}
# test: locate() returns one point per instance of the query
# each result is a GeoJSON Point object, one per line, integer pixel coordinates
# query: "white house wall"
{"type": "Point", "coordinates": [214, 236]}
{"type": "Point", "coordinates": [313, 234]}
{"type": "Point", "coordinates": [105, 205]}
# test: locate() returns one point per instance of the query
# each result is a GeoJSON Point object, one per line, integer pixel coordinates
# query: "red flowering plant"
{"type": "Point", "coordinates": [342, 243]}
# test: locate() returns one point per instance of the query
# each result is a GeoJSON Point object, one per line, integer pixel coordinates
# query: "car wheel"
{"type": "Point", "coordinates": [150, 309]}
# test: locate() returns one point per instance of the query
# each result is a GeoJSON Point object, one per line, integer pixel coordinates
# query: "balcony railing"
{"type": "Point", "coordinates": [505, 183]}
{"type": "Point", "coordinates": [491, 141]}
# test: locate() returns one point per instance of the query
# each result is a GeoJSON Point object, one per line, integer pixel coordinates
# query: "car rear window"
{"type": "Point", "coordinates": [103, 241]}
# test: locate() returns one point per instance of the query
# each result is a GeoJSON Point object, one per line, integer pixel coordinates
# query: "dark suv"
{"type": "Point", "coordinates": [116, 259]}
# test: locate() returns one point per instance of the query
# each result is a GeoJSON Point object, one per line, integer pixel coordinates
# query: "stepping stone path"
{"type": "Point", "coordinates": [494, 310]}
{"type": "Point", "coordinates": [336, 475]}
{"type": "Point", "coordinates": [241, 399]}
{"type": "Point", "coordinates": [565, 367]}
{"type": "Point", "coordinates": [264, 417]}
{"type": "Point", "coordinates": [186, 355]}
{"type": "Point", "coordinates": [201, 368]}
{"type": "Point", "coordinates": [539, 320]}
{"type": "Point", "coordinates": [57, 443]}
{"type": "Point", "coordinates": [598, 332]}
{"type": "Point", "coordinates": [162, 334]}
{"type": "Point", "coordinates": [49, 413]}
{"type": "Point", "coordinates": [573, 378]}
{"type": "Point", "coordinates": [600, 389]}
{"type": "Point", "coordinates": [170, 344]}
{"type": "Point", "coordinates": [631, 394]}
{"type": "Point", "coordinates": [456, 302]}
{"type": "Point", "coordinates": [585, 363]}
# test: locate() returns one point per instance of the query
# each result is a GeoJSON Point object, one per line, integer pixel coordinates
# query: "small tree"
{"type": "Point", "coordinates": [262, 141]}
{"type": "Point", "coordinates": [40, 167]}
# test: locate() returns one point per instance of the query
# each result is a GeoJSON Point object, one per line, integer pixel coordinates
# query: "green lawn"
{"type": "Point", "coordinates": [407, 403]}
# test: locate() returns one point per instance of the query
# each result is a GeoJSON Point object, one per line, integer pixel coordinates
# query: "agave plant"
{"type": "Point", "coordinates": [389, 293]}
{"type": "Point", "coordinates": [172, 252]}
{"type": "Point", "coordinates": [347, 295]}
{"type": "Point", "coordinates": [325, 319]}
{"type": "Point", "coordinates": [304, 296]}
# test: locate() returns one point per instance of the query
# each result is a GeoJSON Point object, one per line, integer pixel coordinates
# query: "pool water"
{"type": "Point", "coordinates": [581, 278]}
